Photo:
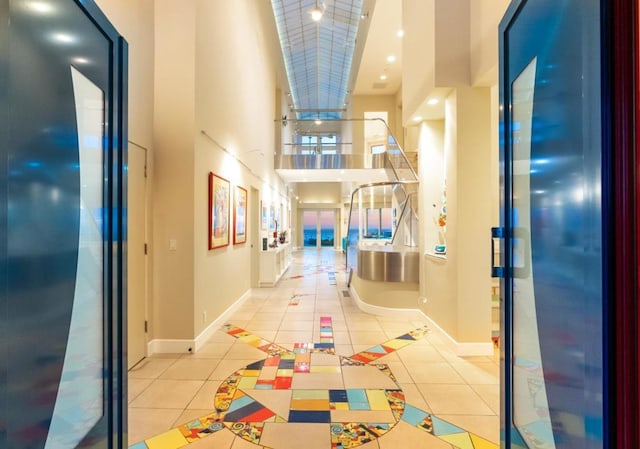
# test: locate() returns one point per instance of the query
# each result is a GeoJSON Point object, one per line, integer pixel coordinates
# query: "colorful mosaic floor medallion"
{"type": "Point", "coordinates": [358, 402]}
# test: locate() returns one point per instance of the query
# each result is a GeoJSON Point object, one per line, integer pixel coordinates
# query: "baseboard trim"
{"type": "Point", "coordinates": [466, 349]}
{"type": "Point", "coordinates": [185, 346]}
{"type": "Point", "coordinates": [383, 311]}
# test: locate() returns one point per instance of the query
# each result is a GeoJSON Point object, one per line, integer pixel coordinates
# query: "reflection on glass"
{"type": "Point", "coordinates": [80, 399]}
{"type": "Point", "coordinates": [379, 224]}
{"type": "Point", "coordinates": [530, 405]}
{"type": "Point", "coordinates": [310, 228]}
{"type": "Point", "coordinates": [327, 228]}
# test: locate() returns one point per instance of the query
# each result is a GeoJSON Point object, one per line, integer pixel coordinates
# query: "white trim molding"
{"type": "Point", "coordinates": [183, 346]}
{"type": "Point", "coordinates": [465, 349]}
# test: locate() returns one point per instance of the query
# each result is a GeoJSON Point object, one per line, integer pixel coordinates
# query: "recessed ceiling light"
{"type": "Point", "coordinates": [433, 101]}
{"type": "Point", "coordinates": [81, 60]}
{"type": "Point", "coordinates": [383, 77]}
{"type": "Point", "coordinates": [417, 118]}
{"type": "Point", "coordinates": [391, 58]}
{"type": "Point", "coordinates": [400, 33]}
{"type": "Point", "coordinates": [318, 122]}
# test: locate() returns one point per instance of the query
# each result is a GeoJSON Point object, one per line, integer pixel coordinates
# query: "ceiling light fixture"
{"type": "Point", "coordinates": [391, 59]}
{"type": "Point", "coordinates": [417, 118]}
{"type": "Point", "coordinates": [317, 12]}
{"type": "Point", "coordinates": [400, 33]}
{"type": "Point", "coordinates": [383, 77]}
{"type": "Point", "coordinates": [433, 101]}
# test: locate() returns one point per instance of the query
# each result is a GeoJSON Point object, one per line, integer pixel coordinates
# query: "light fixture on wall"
{"type": "Point", "coordinates": [317, 12]}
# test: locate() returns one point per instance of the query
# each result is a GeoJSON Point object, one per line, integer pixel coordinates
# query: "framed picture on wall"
{"type": "Point", "coordinates": [240, 216]}
{"type": "Point", "coordinates": [219, 204]}
{"type": "Point", "coordinates": [272, 218]}
{"type": "Point", "coordinates": [265, 217]}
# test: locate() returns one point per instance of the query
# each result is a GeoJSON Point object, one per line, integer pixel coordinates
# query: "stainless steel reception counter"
{"type": "Point", "coordinates": [387, 263]}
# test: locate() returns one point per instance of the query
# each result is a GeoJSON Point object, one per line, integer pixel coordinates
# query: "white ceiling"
{"type": "Point", "coordinates": [382, 41]}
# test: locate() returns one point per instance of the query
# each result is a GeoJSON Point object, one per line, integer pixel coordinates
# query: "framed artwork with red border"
{"type": "Point", "coordinates": [219, 208]}
{"type": "Point", "coordinates": [240, 216]}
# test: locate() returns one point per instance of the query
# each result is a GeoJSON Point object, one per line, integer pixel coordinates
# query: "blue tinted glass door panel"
{"type": "Point", "coordinates": [62, 164]}
{"type": "Point", "coordinates": [554, 332]}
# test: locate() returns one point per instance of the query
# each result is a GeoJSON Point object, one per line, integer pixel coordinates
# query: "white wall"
{"type": "Point", "coordinates": [185, 78]}
{"type": "Point", "coordinates": [173, 197]}
{"type": "Point", "coordinates": [484, 40]}
{"type": "Point", "coordinates": [235, 105]}
{"type": "Point", "coordinates": [135, 22]}
{"type": "Point", "coordinates": [458, 48]}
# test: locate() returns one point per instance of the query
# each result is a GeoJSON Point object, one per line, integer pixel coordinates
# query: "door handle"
{"type": "Point", "coordinates": [496, 233]}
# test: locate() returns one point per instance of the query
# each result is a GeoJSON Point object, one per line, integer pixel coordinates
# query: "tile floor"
{"type": "Point", "coordinates": [301, 365]}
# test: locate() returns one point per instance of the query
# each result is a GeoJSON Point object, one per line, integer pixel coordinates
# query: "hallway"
{"type": "Point", "coordinates": [277, 391]}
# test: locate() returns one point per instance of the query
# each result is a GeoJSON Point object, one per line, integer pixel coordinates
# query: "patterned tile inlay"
{"type": "Point", "coordinates": [353, 416]}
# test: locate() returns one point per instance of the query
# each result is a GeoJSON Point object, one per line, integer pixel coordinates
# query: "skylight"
{"type": "Point", "coordinates": [318, 55]}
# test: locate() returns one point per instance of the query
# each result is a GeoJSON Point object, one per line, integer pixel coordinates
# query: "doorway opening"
{"type": "Point", "coordinates": [318, 228]}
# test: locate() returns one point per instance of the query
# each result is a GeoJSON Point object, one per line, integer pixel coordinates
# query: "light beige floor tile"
{"type": "Point", "coordinates": [298, 316]}
{"type": "Point", "coordinates": [166, 355]}
{"type": "Point", "coordinates": [433, 373]}
{"type": "Point", "coordinates": [345, 350]}
{"type": "Point", "coordinates": [242, 316]}
{"type": "Point", "coordinates": [294, 336]}
{"type": "Point", "coordinates": [453, 400]}
{"type": "Point", "coordinates": [478, 372]}
{"type": "Point", "coordinates": [367, 338]}
{"type": "Point", "coordinates": [222, 439]}
{"type": "Point", "coordinates": [241, 350]}
{"type": "Point", "coordinates": [145, 422]}
{"type": "Point", "coordinates": [167, 394]}
{"type": "Point", "coordinates": [221, 337]}
{"type": "Point", "coordinates": [216, 348]}
{"type": "Point", "coordinates": [317, 381]}
{"type": "Point", "coordinates": [290, 435]}
{"type": "Point", "coordinates": [227, 367]}
{"type": "Point", "coordinates": [189, 415]}
{"type": "Point", "coordinates": [292, 325]}
{"type": "Point", "coordinates": [414, 397]}
{"type": "Point", "coordinates": [150, 368]}
{"type": "Point", "coordinates": [204, 398]}
{"type": "Point", "coordinates": [271, 316]}
{"type": "Point", "coordinates": [268, 335]}
{"type": "Point", "coordinates": [415, 353]}
{"type": "Point", "coordinates": [190, 369]}
{"type": "Point", "coordinates": [320, 359]}
{"type": "Point", "coordinates": [278, 401]}
{"type": "Point", "coordinates": [365, 326]}
{"type": "Point", "coordinates": [399, 371]}
{"type": "Point", "coordinates": [136, 386]}
{"type": "Point", "coordinates": [262, 325]}
{"type": "Point", "coordinates": [489, 394]}
{"type": "Point", "coordinates": [211, 350]}
{"type": "Point", "coordinates": [404, 435]}
{"type": "Point", "coordinates": [366, 376]}
{"type": "Point", "coordinates": [340, 338]}
{"type": "Point", "coordinates": [487, 427]}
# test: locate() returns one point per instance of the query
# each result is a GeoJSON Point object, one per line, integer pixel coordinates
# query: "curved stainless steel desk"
{"type": "Point", "coordinates": [385, 263]}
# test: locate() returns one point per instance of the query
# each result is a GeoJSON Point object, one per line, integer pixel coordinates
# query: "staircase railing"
{"type": "Point", "coordinates": [403, 214]}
